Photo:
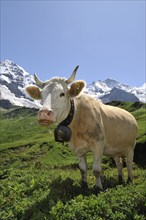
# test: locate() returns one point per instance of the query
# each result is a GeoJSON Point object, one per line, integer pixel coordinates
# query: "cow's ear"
{"type": "Point", "coordinates": [76, 88]}
{"type": "Point", "coordinates": [33, 91]}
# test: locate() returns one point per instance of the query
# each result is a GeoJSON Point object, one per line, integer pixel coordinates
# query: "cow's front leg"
{"type": "Point", "coordinates": [97, 170]}
{"type": "Point", "coordinates": [83, 170]}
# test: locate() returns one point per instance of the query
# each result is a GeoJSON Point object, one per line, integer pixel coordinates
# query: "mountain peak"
{"type": "Point", "coordinates": [111, 83]}
{"type": "Point", "coordinates": [110, 80]}
{"type": "Point", "coordinates": [7, 64]}
{"type": "Point", "coordinates": [10, 71]}
{"type": "Point", "coordinates": [102, 88]}
{"type": "Point", "coordinates": [13, 79]}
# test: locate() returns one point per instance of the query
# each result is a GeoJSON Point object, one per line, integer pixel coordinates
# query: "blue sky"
{"type": "Point", "coordinates": [106, 38]}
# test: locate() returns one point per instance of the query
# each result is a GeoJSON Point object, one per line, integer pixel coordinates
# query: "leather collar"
{"type": "Point", "coordinates": [70, 116]}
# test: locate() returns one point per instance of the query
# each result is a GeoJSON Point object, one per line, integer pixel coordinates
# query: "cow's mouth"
{"type": "Point", "coordinates": [44, 122]}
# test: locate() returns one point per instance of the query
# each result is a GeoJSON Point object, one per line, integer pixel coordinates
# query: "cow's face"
{"type": "Point", "coordinates": [55, 96]}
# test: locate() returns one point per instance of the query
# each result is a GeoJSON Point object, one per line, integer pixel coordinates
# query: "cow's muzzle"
{"type": "Point", "coordinates": [45, 117]}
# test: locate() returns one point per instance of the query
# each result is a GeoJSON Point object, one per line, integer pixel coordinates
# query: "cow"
{"type": "Point", "coordinates": [86, 123]}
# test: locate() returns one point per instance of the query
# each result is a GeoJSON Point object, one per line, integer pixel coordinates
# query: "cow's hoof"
{"type": "Point", "coordinates": [97, 190]}
{"type": "Point", "coordinates": [120, 180]}
{"type": "Point", "coordinates": [129, 180]}
{"type": "Point", "coordinates": [84, 185]}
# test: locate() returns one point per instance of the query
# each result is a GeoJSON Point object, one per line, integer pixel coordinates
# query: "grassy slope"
{"type": "Point", "coordinates": [36, 172]}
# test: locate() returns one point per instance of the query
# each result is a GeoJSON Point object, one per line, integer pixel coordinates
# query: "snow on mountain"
{"type": "Point", "coordinates": [104, 90]}
{"type": "Point", "coordinates": [14, 78]}
{"type": "Point", "coordinates": [139, 92]}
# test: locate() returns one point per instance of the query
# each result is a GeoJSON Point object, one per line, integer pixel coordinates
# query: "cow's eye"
{"type": "Point", "coordinates": [62, 94]}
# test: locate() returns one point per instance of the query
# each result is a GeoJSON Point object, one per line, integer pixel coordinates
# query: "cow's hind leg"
{"type": "Point", "coordinates": [129, 161]}
{"type": "Point", "coordinates": [118, 161]}
{"type": "Point", "coordinates": [83, 170]}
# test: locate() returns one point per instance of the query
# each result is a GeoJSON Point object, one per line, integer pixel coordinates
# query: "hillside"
{"type": "Point", "coordinates": [39, 179]}
{"type": "Point", "coordinates": [27, 117]}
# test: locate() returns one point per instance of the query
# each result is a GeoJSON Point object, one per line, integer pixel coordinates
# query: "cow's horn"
{"type": "Point", "coordinates": [38, 81]}
{"type": "Point", "coordinates": [72, 77]}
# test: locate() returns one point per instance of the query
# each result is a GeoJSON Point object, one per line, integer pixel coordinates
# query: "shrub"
{"type": "Point", "coordinates": [115, 204]}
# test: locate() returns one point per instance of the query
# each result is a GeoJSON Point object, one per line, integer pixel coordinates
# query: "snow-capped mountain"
{"type": "Point", "coordinates": [14, 78]}
{"type": "Point", "coordinates": [109, 90]}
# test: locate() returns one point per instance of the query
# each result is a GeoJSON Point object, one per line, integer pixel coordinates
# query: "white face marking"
{"type": "Point", "coordinates": [55, 98]}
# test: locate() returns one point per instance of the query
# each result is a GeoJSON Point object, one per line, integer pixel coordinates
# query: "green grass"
{"type": "Point", "coordinates": [114, 203]}
{"type": "Point", "coordinates": [39, 178]}
{"type": "Point", "coordinates": [140, 115]}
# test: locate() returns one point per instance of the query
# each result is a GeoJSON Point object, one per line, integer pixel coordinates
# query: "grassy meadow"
{"type": "Point", "coordinates": [40, 179]}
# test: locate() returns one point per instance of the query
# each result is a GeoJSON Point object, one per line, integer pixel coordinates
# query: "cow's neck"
{"type": "Point", "coordinates": [70, 116]}
{"type": "Point", "coordinates": [63, 133]}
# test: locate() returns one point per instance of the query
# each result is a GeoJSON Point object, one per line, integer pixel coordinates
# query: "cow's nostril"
{"type": "Point", "coordinates": [49, 112]}
{"type": "Point", "coordinates": [44, 113]}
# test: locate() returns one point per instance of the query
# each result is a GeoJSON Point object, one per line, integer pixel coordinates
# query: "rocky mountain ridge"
{"type": "Point", "coordinates": [14, 78]}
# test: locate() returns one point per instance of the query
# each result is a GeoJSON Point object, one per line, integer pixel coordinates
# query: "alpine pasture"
{"type": "Point", "coordinates": [40, 179]}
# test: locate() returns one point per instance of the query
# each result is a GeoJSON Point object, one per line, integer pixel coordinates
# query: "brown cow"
{"type": "Point", "coordinates": [87, 124]}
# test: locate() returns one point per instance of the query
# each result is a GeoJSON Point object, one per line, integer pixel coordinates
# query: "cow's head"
{"type": "Point", "coordinates": [55, 96]}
